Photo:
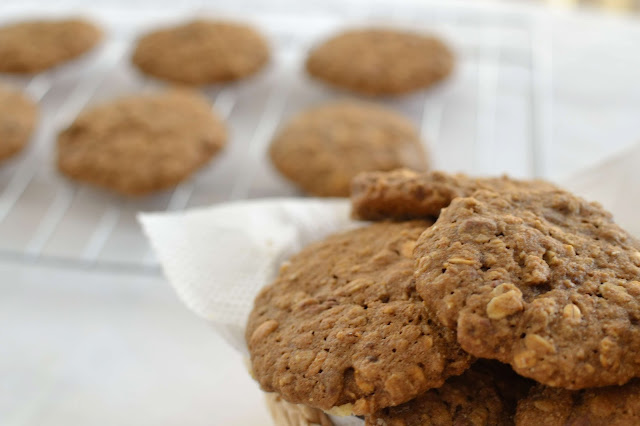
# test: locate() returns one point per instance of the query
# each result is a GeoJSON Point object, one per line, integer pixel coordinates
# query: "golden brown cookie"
{"type": "Point", "coordinates": [323, 148]}
{"type": "Point", "coordinates": [342, 325]}
{"type": "Point", "coordinates": [484, 395]}
{"type": "Point", "coordinates": [405, 194]}
{"type": "Point", "coordinates": [140, 144]}
{"type": "Point", "coordinates": [537, 278]}
{"type": "Point", "coordinates": [610, 406]}
{"type": "Point", "coordinates": [381, 61]}
{"type": "Point", "coordinates": [33, 46]}
{"type": "Point", "coordinates": [17, 120]}
{"type": "Point", "coordinates": [202, 52]}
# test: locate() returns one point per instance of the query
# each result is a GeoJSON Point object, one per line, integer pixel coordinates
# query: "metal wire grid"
{"type": "Point", "coordinates": [47, 219]}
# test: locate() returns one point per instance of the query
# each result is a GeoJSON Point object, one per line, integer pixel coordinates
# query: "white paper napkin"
{"type": "Point", "coordinates": [218, 258]}
{"type": "Point", "coordinates": [615, 183]}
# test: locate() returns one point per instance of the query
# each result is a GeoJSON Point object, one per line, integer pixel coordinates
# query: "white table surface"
{"type": "Point", "coordinates": [82, 347]}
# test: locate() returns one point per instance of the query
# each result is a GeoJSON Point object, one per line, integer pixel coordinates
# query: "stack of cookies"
{"type": "Point", "coordinates": [466, 301]}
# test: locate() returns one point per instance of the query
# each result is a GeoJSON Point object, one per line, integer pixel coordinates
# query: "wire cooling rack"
{"type": "Point", "coordinates": [492, 116]}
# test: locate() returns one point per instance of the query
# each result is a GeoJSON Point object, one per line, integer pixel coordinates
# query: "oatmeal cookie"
{"type": "Point", "coordinates": [343, 328]}
{"type": "Point", "coordinates": [484, 395]}
{"type": "Point", "coordinates": [537, 278]}
{"type": "Point", "coordinates": [406, 194]}
{"type": "Point", "coordinates": [202, 52]}
{"type": "Point", "coordinates": [323, 148]}
{"type": "Point", "coordinates": [611, 406]}
{"type": "Point", "coordinates": [381, 61]}
{"type": "Point", "coordinates": [18, 116]}
{"type": "Point", "coordinates": [34, 46]}
{"type": "Point", "coordinates": [139, 144]}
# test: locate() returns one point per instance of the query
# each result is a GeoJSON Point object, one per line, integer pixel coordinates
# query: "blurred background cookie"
{"type": "Point", "coordinates": [323, 148]}
{"type": "Point", "coordinates": [202, 52]}
{"type": "Point", "coordinates": [140, 144]}
{"type": "Point", "coordinates": [18, 116]}
{"type": "Point", "coordinates": [381, 61]}
{"type": "Point", "coordinates": [33, 46]}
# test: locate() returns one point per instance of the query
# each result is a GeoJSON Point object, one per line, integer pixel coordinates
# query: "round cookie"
{"type": "Point", "coordinates": [611, 406]}
{"type": "Point", "coordinates": [342, 327]}
{"type": "Point", "coordinates": [17, 120]}
{"type": "Point", "coordinates": [484, 395]}
{"type": "Point", "coordinates": [34, 46]}
{"type": "Point", "coordinates": [140, 144]}
{"type": "Point", "coordinates": [323, 148]}
{"type": "Point", "coordinates": [539, 279]}
{"type": "Point", "coordinates": [405, 194]}
{"type": "Point", "coordinates": [381, 61]}
{"type": "Point", "coordinates": [202, 52]}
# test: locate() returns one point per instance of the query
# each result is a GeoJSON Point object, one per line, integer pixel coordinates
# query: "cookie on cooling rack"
{"type": "Point", "coordinates": [537, 278]}
{"type": "Point", "coordinates": [17, 120]}
{"type": "Point", "coordinates": [381, 61]}
{"type": "Point", "coordinates": [202, 52]}
{"type": "Point", "coordinates": [612, 406]}
{"type": "Point", "coordinates": [342, 327]}
{"type": "Point", "coordinates": [33, 46]}
{"type": "Point", "coordinates": [323, 148]}
{"type": "Point", "coordinates": [140, 144]}
{"type": "Point", "coordinates": [485, 395]}
{"type": "Point", "coordinates": [406, 194]}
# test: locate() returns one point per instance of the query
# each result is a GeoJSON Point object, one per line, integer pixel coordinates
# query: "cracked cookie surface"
{"type": "Point", "coordinates": [342, 325]}
{"type": "Point", "coordinates": [540, 279]}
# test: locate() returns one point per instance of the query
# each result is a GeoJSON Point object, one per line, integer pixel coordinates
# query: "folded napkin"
{"type": "Point", "coordinates": [218, 258]}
